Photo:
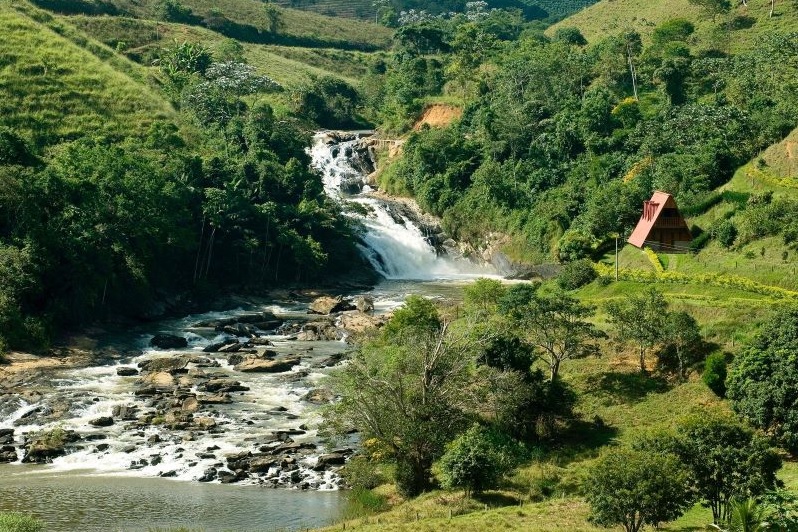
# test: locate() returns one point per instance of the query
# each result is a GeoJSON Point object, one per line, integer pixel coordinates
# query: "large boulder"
{"type": "Point", "coordinates": [7, 454]}
{"type": "Point", "coordinates": [6, 436]}
{"type": "Point", "coordinates": [360, 323]}
{"type": "Point", "coordinates": [327, 460]}
{"type": "Point", "coordinates": [104, 421]}
{"type": "Point", "coordinates": [364, 303]}
{"type": "Point", "coordinates": [261, 365]}
{"type": "Point", "coordinates": [170, 365]}
{"type": "Point", "coordinates": [168, 341]}
{"type": "Point", "coordinates": [221, 385]}
{"type": "Point", "coordinates": [126, 371]}
{"type": "Point", "coordinates": [327, 305]}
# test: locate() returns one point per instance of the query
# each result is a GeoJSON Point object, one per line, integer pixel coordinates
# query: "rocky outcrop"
{"type": "Point", "coordinates": [43, 447]}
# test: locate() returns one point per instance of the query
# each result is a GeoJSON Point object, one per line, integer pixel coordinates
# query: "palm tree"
{"type": "Point", "coordinates": [746, 516]}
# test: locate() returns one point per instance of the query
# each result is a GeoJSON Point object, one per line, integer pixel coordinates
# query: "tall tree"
{"type": "Point", "coordinates": [640, 319]}
{"type": "Point", "coordinates": [555, 324]}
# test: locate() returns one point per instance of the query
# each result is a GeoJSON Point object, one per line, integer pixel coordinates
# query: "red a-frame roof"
{"type": "Point", "coordinates": [651, 211]}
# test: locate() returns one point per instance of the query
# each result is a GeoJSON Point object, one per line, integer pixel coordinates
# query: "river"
{"type": "Point", "coordinates": [133, 429]}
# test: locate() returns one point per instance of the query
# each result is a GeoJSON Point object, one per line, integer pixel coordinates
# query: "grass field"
{"type": "Point", "coordinates": [613, 16]}
{"type": "Point", "coordinates": [43, 73]}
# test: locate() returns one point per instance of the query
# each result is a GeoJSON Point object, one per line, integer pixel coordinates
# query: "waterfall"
{"type": "Point", "coordinates": [391, 241]}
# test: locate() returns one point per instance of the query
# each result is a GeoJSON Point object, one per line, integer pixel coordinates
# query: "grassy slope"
{"type": "Point", "coordinates": [294, 22]}
{"type": "Point", "coordinates": [612, 16]}
{"type": "Point", "coordinates": [44, 73]}
{"type": "Point", "coordinates": [288, 65]}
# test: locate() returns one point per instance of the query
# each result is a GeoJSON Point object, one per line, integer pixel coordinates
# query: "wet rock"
{"type": "Point", "coordinates": [307, 336]}
{"type": "Point", "coordinates": [126, 371]}
{"type": "Point", "coordinates": [318, 396]}
{"type": "Point", "coordinates": [262, 341]}
{"type": "Point", "coordinates": [127, 449]}
{"type": "Point", "coordinates": [218, 399]}
{"type": "Point", "coordinates": [262, 464]}
{"type": "Point", "coordinates": [6, 436]}
{"type": "Point", "coordinates": [138, 464]}
{"type": "Point", "coordinates": [256, 365]}
{"type": "Point", "coordinates": [231, 348]}
{"type": "Point", "coordinates": [364, 303]}
{"type": "Point", "coordinates": [208, 475]}
{"type": "Point", "coordinates": [236, 359]}
{"type": "Point", "coordinates": [169, 365]}
{"type": "Point", "coordinates": [330, 361]}
{"type": "Point", "coordinates": [104, 421]}
{"type": "Point", "coordinates": [102, 447]}
{"type": "Point", "coordinates": [168, 341]}
{"type": "Point", "coordinates": [124, 412]}
{"type": "Point", "coordinates": [155, 438]}
{"type": "Point", "coordinates": [205, 423]}
{"type": "Point", "coordinates": [206, 456]}
{"type": "Point", "coordinates": [8, 454]}
{"type": "Point", "coordinates": [326, 460]}
{"type": "Point", "coordinates": [222, 385]}
{"type": "Point", "coordinates": [161, 379]}
{"type": "Point", "coordinates": [169, 474]}
{"type": "Point", "coordinates": [327, 305]}
{"type": "Point", "coordinates": [189, 405]}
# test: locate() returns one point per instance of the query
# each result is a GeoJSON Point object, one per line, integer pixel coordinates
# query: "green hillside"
{"type": "Point", "coordinates": [48, 67]}
{"type": "Point", "coordinates": [248, 21]}
{"type": "Point", "coordinates": [741, 29]}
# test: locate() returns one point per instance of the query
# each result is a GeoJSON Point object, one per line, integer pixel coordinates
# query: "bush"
{"type": "Point", "coordinates": [715, 373]}
{"type": "Point", "coordinates": [16, 522]}
{"type": "Point", "coordinates": [478, 459]}
{"type": "Point", "coordinates": [576, 274]}
{"type": "Point", "coordinates": [725, 233]}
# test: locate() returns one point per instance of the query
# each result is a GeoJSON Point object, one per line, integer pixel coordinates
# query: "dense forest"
{"type": "Point", "coordinates": [560, 141]}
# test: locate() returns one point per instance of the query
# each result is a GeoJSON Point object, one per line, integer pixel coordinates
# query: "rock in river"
{"type": "Point", "coordinates": [260, 365]}
{"type": "Point", "coordinates": [168, 341]}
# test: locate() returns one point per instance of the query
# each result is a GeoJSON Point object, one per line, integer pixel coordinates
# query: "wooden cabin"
{"type": "Point", "coordinates": [661, 226]}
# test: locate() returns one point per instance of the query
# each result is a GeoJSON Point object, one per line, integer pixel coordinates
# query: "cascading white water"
{"type": "Point", "coordinates": [392, 243]}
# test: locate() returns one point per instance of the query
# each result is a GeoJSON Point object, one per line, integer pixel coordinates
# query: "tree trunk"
{"type": "Point", "coordinates": [555, 368]}
{"type": "Point", "coordinates": [772, 7]}
{"type": "Point", "coordinates": [643, 360]}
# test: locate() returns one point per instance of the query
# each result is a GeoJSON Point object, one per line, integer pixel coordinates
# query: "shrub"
{"type": "Point", "coordinates": [16, 522]}
{"type": "Point", "coordinates": [478, 459]}
{"type": "Point", "coordinates": [715, 373]}
{"type": "Point", "coordinates": [725, 233]}
{"type": "Point", "coordinates": [576, 274]}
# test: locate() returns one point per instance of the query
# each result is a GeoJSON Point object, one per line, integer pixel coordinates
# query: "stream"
{"type": "Point", "coordinates": [190, 435]}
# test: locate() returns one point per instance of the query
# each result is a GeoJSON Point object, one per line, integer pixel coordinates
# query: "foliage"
{"type": "Point", "coordinates": [478, 459]}
{"type": "Point", "coordinates": [640, 319]}
{"type": "Point", "coordinates": [556, 325]}
{"type": "Point", "coordinates": [683, 334]}
{"type": "Point", "coordinates": [726, 461]}
{"type": "Point", "coordinates": [16, 522]}
{"type": "Point", "coordinates": [763, 383]}
{"type": "Point", "coordinates": [412, 390]}
{"type": "Point", "coordinates": [576, 274]}
{"type": "Point", "coordinates": [714, 375]}
{"type": "Point", "coordinates": [327, 101]}
{"type": "Point", "coordinates": [637, 488]}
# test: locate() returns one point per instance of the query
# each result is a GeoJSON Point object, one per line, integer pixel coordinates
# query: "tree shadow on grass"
{"type": "Point", "coordinates": [496, 499]}
{"type": "Point", "coordinates": [623, 387]}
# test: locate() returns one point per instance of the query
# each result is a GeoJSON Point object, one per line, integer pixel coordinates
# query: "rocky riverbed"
{"type": "Point", "coordinates": [229, 397]}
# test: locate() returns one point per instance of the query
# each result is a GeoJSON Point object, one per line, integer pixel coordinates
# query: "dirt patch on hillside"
{"type": "Point", "coordinates": [438, 115]}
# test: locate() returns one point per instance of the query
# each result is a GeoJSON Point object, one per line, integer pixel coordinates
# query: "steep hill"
{"type": "Point", "coordinates": [56, 84]}
{"type": "Point", "coordinates": [738, 30]}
